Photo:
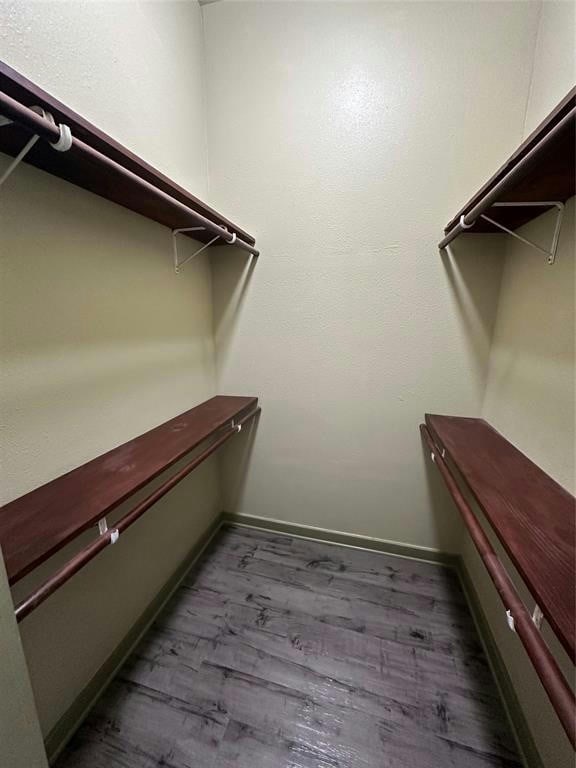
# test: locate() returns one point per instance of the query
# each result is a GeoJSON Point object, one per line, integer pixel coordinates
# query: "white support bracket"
{"type": "Point", "coordinates": [510, 620]}
{"type": "Point", "coordinates": [179, 264]}
{"type": "Point", "coordinates": [551, 254]}
{"type": "Point", "coordinates": [537, 617]}
{"type": "Point", "coordinates": [20, 156]}
{"type": "Point", "coordinates": [103, 529]}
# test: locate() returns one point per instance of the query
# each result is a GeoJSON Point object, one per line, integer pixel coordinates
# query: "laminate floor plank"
{"type": "Point", "coordinates": [280, 652]}
{"type": "Point", "coordinates": [133, 726]}
{"type": "Point", "coordinates": [457, 635]}
{"type": "Point", "coordinates": [338, 614]}
{"type": "Point", "coordinates": [442, 596]}
{"type": "Point", "coordinates": [348, 562]}
{"type": "Point", "coordinates": [467, 717]}
{"type": "Point", "coordinates": [284, 587]}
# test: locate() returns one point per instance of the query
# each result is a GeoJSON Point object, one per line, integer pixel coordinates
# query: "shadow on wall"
{"type": "Point", "coordinates": [446, 519]}
{"type": "Point", "coordinates": [474, 267]}
{"type": "Point", "coordinates": [232, 271]}
{"type": "Point", "coordinates": [233, 465]}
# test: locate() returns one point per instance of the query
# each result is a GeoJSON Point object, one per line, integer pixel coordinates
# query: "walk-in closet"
{"type": "Point", "coordinates": [287, 383]}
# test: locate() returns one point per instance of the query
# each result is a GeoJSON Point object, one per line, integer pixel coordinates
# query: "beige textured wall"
{"type": "Point", "coordinates": [554, 60]}
{"type": "Point", "coordinates": [132, 67]}
{"type": "Point", "coordinates": [20, 737]}
{"type": "Point", "coordinates": [531, 384]}
{"type": "Point", "coordinates": [100, 340]}
{"type": "Point", "coordinates": [349, 133]}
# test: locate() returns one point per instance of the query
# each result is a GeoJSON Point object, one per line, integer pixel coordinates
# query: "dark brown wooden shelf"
{"type": "Point", "coordinates": [548, 176]}
{"type": "Point", "coordinates": [38, 524]}
{"type": "Point", "coordinates": [85, 173]}
{"type": "Point", "coordinates": [532, 515]}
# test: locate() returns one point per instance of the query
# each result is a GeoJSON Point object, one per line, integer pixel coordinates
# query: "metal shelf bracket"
{"type": "Point", "coordinates": [179, 264]}
{"type": "Point", "coordinates": [20, 156]}
{"type": "Point", "coordinates": [551, 254]}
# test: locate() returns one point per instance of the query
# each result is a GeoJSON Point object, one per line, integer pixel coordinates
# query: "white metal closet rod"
{"type": "Point", "coordinates": [27, 118]}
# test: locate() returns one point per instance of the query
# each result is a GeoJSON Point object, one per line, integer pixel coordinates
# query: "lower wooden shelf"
{"type": "Point", "coordinates": [38, 524]}
{"type": "Point", "coordinates": [492, 468]}
{"type": "Point", "coordinates": [532, 515]}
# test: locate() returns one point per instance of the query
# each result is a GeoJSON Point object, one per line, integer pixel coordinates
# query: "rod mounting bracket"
{"type": "Point", "coordinates": [537, 616]}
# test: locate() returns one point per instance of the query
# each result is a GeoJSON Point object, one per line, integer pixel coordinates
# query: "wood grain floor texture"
{"type": "Point", "coordinates": [279, 652]}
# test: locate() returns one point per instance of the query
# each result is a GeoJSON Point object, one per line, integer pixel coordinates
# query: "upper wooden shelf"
{"type": "Point", "coordinates": [84, 172]}
{"type": "Point", "coordinates": [547, 176]}
{"type": "Point", "coordinates": [530, 513]}
{"type": "Point", "coordinates": [38, 524]}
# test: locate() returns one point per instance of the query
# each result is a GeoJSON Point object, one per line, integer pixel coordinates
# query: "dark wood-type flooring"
{"type": "Point", "coordinates": [279, 652]}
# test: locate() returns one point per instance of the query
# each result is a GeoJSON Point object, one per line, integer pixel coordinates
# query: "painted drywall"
{"type": "Point", "coordinates": [554, 60]}
{"type": "Point", "coordinates": [530, 400]}
{"type": "Point", "coordinates": [346, 135]}
{"type": "Point", "coordinates": [21, 743]}
{"type": "Point", "coordinates": [100, 340]}
{"type": "Point", "coordinates": [531, 383]}
{"type": "Point", "coordinates": [530, 387]}
{"type": "Point", "coordinates": [134, 68]}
